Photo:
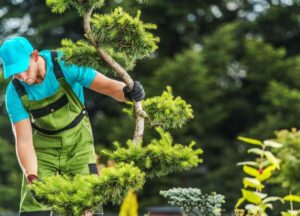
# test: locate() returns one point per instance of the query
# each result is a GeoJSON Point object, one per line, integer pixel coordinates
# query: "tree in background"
{"type": "Point", "coordinates": [289, 176]}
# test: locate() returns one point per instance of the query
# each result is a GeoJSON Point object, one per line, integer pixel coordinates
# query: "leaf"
{"type": "Point", "coordinates": [250, 171]}
{"type": "Point", "coordinates": [239, 202]}
{"type": "Point", "coordinates": [250, 163]}
{"type": "Point", "coordinates": [256, 151]}
{"type": "Point", "coordinates": [253, 197]}
{"type": "Point", "coordinates": [266, 173]}
{"type": "Point", "coordinates": [265, 206]}
{"type": "Point", "coordinates": [272, 144]}
{"type": "Point", "coordinates": [269, 168]}
{"type": "Point", "coordinates": [253, 182]}
{"type": "Point", "coordinates": [293, 198]}
{"type": "Point", "coordinates": [250, 141]}
{"type": "Point", "coordinates": [264, 176]}
{"type": "Point", "coordinates": [273, 160]}
{"type": "Point", "coordinates": [272, 199]}
{"type": "Point", "coordinates": [290, 213]}
{"type": "Point", "coordinates": [253, 209]}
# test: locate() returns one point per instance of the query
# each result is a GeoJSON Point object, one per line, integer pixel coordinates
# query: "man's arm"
{"type": "Point", "coordinates": [24, 147]}
{"type": "Point", "coordinates": [104, 85]}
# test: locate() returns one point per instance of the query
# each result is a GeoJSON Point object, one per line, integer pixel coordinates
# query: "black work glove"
{"type": "Point", "coordinates": [136, 94]}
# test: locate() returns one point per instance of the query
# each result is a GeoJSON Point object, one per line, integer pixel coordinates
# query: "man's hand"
{"type": "Point", "coordinates": [136, 94]}
{"type": "Point", "coordinates": [31, 178]}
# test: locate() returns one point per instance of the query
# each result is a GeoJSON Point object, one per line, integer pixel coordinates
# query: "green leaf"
{"type": "Point", "coordinates": [256, 151]}
{"type": "Point", "coordinates": [286, 214]}
{"type": "Point", "coordinates": [250, 171]}
{"type": "Point", "coordinates": [264, 176]}
{"type": "Point", "coordinates": [293, 198]}
{"type": "Point", "coordinates": [273, 160]}
{"type": "Point", "coordinates": [254, 209]}
{"type": "Point", "coordinates": [239, 202]}
{"type": "Point", "coordinates": [272, 199]}
{"type": "Point", "coordinates": [250, 141]}
{"type": "Point", "coordinates": [290, 213]}
{"type": "Point", "coordinates": [253, 197]}
{"type": "Point", "coordinates": [250, 163]}
{"type": "Point", "coordinates": [270, 168]}
{"type": "Point", "coordinates": [265, 206]}
{"type": "Point", "coordinates": [253, 182]}
{"type": "Point", "coordinates": [272, 144]}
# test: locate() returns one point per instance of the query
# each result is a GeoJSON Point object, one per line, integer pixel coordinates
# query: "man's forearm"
{"type": "Point", "coordinates": [109, 87]}
{"type": "Point", "coordinates": [117, 91]}
{"type": "Point", "coordinates": [27, 158]}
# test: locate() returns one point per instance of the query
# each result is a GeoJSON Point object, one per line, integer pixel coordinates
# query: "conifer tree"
{"type": "Point", "coordinates": [114, 43]}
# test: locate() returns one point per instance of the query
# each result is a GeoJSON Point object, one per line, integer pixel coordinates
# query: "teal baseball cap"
{"type": "Point", "coordinates": [15, 56]}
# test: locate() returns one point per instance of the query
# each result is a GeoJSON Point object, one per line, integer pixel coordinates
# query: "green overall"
{"type": "Point", "coordinates": [62, 137]}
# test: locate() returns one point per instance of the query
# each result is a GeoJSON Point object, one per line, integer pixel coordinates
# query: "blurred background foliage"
{"type": "Point", "coordinates": [237, 62]}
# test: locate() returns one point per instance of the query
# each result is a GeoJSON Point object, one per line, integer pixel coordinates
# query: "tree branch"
{"type": "Point", "coordinates": [139, 113]}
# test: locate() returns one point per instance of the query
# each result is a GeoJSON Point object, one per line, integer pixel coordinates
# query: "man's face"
{"type": "Point", "coordinates": [29, 76]}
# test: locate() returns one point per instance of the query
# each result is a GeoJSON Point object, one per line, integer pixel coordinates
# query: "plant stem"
{"type": "Point", "coordinates": [291, 202]}
{"type": "Point", "coordinates": [139, 112]}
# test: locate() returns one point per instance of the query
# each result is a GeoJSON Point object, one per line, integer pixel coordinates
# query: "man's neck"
{"type": "Point", "coordinates": [41, 73]}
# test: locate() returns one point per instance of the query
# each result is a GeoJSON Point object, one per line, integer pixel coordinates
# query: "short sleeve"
{"type": "Point", "coordinates": [14, 105]}
{"type": "Point", "coordinates": [82, 75]}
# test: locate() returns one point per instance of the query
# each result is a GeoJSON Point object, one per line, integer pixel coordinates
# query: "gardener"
{"type": "Point", "coordinates": [45, 104]}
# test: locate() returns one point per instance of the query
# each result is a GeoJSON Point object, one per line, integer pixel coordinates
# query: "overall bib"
{"type": "Point", "coordinates": [62, 138]}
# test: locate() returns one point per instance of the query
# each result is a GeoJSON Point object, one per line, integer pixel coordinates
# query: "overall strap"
{"type": "Point", "coordinates": [73, 124]}
{"type": "Point", "coordinates": [61, 79]}
{"type": "Point", "coordinates": [19, 88]}
{"type": "Point", "coordinates": [56, 67]}
{"type": "Point", "coordinates": [21, 92]}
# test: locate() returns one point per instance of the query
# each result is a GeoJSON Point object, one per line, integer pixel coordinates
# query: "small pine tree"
{"type": "Point", "coordinates": [193, 202]}
{"type": "Point", "coordinates": [114, 42]}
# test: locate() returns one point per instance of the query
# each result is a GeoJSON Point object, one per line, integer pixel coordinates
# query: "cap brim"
{"type": "Point", "coordinates": [18, 67]}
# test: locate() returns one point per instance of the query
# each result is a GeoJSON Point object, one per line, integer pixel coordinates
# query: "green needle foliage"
{"type": "Point", "coordinates": [125, 33]}
{"type": "Point", "coordinates": [126, 39]}
{"type": "Point", "coordinates": [73, 196]}
{"type": "Point", "coordinates": [166, 111]}
{"type": "Point", "coordinates": [84, 54]}
{"type": "Point", "coordinates": [160, 157]}
{"type": "Point", "coordinates": [193, 202]}
{"type": "Point", "coordinates": [82, 6]}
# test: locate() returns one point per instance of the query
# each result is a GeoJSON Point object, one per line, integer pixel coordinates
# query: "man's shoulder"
{"type": "Point", "coordinates": [10, 87]}
{"type": "Point", "coordinates": [46, 54]}
{"type": "Point", "coordinates": [10, 90]}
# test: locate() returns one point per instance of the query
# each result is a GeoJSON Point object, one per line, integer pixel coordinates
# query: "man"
{"type": "Point", "coordinates": [45, 104]}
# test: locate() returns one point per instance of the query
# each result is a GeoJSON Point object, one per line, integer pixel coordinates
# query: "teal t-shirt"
{"type": "Point", "coordinates": [77, 77]}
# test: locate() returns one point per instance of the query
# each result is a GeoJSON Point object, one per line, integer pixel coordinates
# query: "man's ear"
{"type": "Point", "coordinates": [35, 55]}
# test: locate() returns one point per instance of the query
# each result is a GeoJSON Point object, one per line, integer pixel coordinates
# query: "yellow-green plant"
{"type": "Point", "coordinates": [258, 171]}
{"type": "Point", "coordinates": [73, 196]}
{"type": "Point", "coordinates": [291, 212]}
{"type": "Point", "coordinates": [158, 158]}
{"type": "Point", "coordinates": [129, 205]}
